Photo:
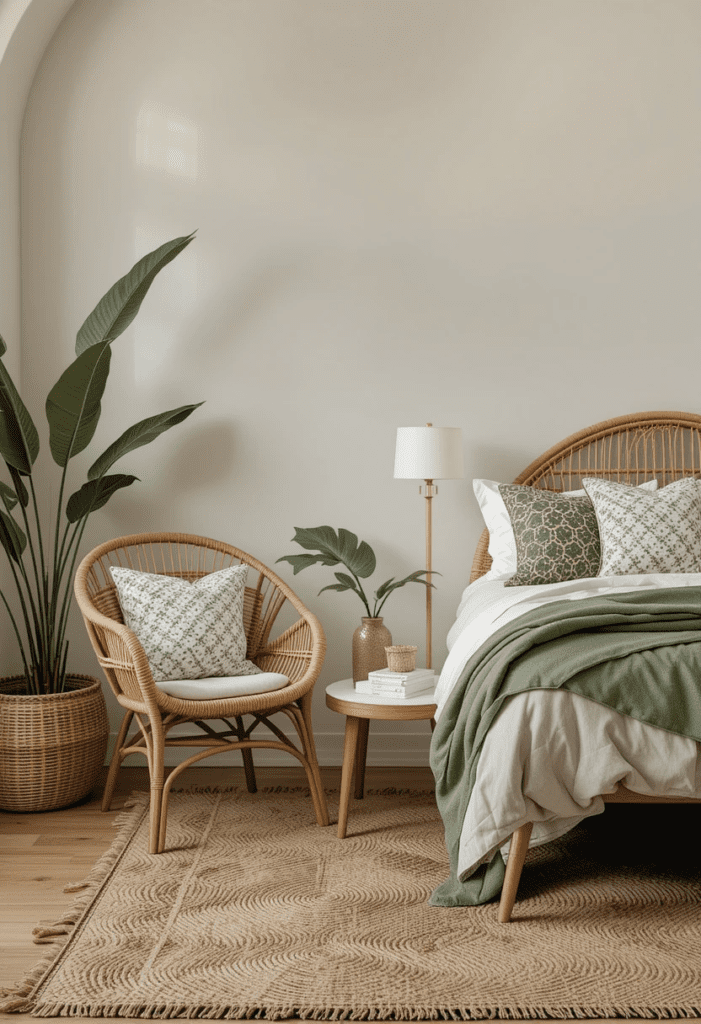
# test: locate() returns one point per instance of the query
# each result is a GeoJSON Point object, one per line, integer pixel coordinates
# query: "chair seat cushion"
{"type": "Point", "coordinates": [221, 687]}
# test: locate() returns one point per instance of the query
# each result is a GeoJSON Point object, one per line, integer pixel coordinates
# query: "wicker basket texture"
{"type": "Point", "coordinates": [52, 746]}
{"type": "Point", "coordinates": [401, 658]}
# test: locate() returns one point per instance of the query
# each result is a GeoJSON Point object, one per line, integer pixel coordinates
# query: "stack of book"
{"type": "Point", "coordinates": [384, 683]}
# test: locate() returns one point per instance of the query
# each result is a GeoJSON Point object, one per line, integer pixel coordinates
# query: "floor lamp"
{"type": "Point", "coordinates": [428, 453]}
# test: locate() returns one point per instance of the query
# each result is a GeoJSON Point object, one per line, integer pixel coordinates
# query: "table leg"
{"type": "Point", "coordinates": [361, 751]}
{"type": "Point", "coordinates": [433, 724]}
{"type": "Point", "coordinates": [349, 746]}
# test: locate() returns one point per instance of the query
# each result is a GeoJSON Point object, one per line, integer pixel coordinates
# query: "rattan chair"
{"type": "Point", "coordinates": [297, 651]}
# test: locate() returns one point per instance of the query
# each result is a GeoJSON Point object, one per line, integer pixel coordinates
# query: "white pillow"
{"type": "Point", "coordinates": [502, 543]}
{"type": "Point", "coordinates": [647, 533]}
{"type": "Point", "coordinates": [187, 630]}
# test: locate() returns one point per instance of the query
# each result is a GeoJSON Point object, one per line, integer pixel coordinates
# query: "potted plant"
{"type": "Point", "coordinates": [53, 724]}
{"type": "Point", "coordinates": [342, 548]}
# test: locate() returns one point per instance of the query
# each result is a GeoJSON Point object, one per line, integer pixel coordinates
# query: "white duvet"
{"type": "Point", "coordinates": [549, 755]}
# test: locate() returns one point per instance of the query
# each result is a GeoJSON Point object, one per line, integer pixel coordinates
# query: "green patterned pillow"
{"type": "Point", "coordinates": [187, 630]}
{"type": "Point", "coordinates": [647, 533]}
{"type": "Point", "coordinates": [557, 537]}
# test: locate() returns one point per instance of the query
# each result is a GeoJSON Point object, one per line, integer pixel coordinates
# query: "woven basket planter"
{"type": "Point", "coordinates": [52, 746]}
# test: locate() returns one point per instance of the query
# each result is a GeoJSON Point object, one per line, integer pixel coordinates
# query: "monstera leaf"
{"type": "Point", "coordinates": [333, 548]}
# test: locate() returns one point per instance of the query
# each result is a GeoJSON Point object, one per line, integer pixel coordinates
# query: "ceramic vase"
{"type": "Point", "coordinates": [369, 642]}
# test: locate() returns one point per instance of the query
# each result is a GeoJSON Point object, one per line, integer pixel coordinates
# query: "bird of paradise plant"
{"type": "Point", "coordinates": [43, 573]}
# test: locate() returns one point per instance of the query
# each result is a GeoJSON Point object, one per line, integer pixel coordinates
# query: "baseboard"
{"type": "Point", "coordinates": [405, 749]}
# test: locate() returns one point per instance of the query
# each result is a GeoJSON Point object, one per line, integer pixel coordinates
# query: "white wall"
{"type": "Point", "coordinates": [479, 214]}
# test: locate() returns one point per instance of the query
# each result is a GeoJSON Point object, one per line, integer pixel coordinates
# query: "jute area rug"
{"type": "Point", "coordinates": [256, 912]}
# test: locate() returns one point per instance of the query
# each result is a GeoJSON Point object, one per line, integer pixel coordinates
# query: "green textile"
{"type": "Point", "coordinates": [636, 652]}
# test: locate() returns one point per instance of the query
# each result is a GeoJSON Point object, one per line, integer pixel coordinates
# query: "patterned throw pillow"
{"type": "Point", "coordinates": [557, 537]}
{"type": "Point", "coordinates": [646, 533]}
{"type": "Point", "coordinates": [187, 630]}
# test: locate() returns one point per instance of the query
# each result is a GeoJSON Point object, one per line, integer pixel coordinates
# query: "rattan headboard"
{"type": "Point", "coordinates": [629, 448]}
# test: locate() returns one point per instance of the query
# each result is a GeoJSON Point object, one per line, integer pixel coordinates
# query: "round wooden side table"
{"type": "Point", "coordinates": [359, 708]}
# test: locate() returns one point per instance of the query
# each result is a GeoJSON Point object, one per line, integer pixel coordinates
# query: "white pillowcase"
{"type": "Point", "coordinates": [187, 630]}
{"type": "Point", "coordinates": [502, 543]}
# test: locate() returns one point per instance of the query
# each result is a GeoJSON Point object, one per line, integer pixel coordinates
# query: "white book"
{"type": "Point", "coordinates": [384, 675]}
{"type": "Point", "coordinates": [369, 687]}
{"type": "Point", "coordinates": [412, 686]}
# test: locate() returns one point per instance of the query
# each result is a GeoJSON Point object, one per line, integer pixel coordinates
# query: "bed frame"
{"type": "Point", "coordinates": [629, 449]}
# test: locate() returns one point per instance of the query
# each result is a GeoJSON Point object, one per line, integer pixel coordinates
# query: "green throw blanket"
{"type": "Point", "coordinates": [637, 652]}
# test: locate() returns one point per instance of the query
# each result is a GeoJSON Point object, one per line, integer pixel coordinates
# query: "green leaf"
{"type": "Point", "coordinates": [384, 589]}
{"type": "Point", "coordinates": [334, 586]}
{"type": "Point", "coordinates": [299, 562]}
{"type": "Point", "coordinates": [140, 434]}
{"type": "Point", "coordinates": [11, 537]}
{"type": "Point", "coordinates": [9, 498]}
{"type": "Point", "coordinates": [415, 577]}
{"type": "Point", "coordinates": [19, 440]}
{"type": "Point", "coordinates": [334, 548]}
{"type": "Point", "coordinates": [21, 491]}
{"type": "Point", "coordinates": [94, 494]}
{"type": "Point", "coordinates": [344, 583]}
{"type": "Point", "coordinates": [347, 581]}
{"type": "Point", "coordinates": [73, 405]}
{"type": "Point", "coordinates": [3, 346]}
{"type": "Point", "coordinates": [118, 307]}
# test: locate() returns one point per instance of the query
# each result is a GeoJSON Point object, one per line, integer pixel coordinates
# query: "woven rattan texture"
{"type": "Point", "coordinates": [52, 746]}
{"type": "Point", "coordinates": [629, 449]}
{"type": "Point", "coordinates": [241, 919]}
{"type": "Point", "coordinates": [282, 636]}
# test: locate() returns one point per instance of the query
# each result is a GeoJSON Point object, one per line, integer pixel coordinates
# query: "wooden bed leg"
{"type": "Point", "coordinates": [514, 866]}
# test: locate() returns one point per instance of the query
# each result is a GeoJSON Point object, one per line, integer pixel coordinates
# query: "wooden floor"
{"type": "Point", "coordinates": [42, 853]}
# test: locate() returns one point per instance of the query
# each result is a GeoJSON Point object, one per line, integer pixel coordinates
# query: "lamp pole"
{"type": "Point", "coordinates": [428, 453]}
{"type": "Point", "coordinates": [430, 490]}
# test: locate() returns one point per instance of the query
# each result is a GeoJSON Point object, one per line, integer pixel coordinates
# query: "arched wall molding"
{"type": "Point", "coordinates": [26, 29]}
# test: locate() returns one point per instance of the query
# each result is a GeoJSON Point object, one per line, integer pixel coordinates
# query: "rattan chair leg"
{"type": "Point", "coordinates": [249, 770]}
{"type": "Point", "coordinates": [157, 777]}
{"type": "Point", "coordinates": [314, 774]}
{"type": "Point", "coordinates": [155, 808]}
{"type": "Point", "coordinates": [514, 866]}
{"type": "Point", "coordinates": [294, 713]}
{"type": "Point", "coordinates": [116, 761]}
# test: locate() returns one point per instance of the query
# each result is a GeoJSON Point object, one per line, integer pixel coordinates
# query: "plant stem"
{"type": "Point", "coordinates": [30, 680]}
{"type": "Point", "coordinates": [30, 638]}
{"type": "Point", "coordinates": [361, 592]}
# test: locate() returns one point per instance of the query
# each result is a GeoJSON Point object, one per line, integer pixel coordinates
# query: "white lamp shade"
{"type": "Point", "coordinates": [429, 453]}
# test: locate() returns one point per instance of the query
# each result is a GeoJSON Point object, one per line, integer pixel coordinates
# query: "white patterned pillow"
{"type": "Point", "coordinates": [187, 630]}
{"type": "Point", "coordinates": [647, 532]}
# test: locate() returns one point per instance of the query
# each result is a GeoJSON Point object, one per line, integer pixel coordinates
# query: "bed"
{"type": "Point", "coordinates": [539, 772]}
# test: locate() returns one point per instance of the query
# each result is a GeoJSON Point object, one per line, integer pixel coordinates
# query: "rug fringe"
{"type": "Point", "coordinates": [56, 934]}
{"type": "Point", "coordinates": [166, 1011]}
